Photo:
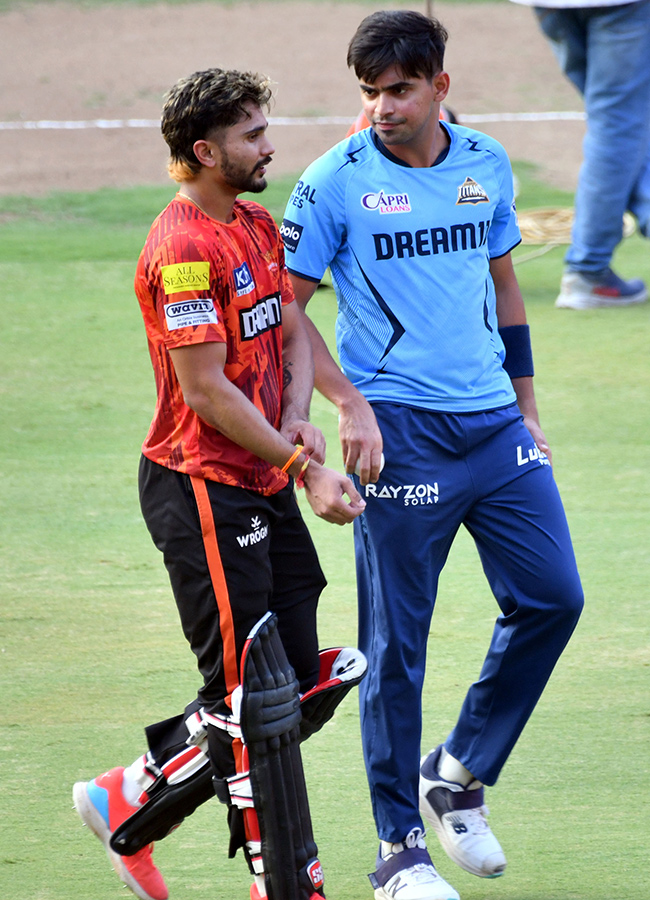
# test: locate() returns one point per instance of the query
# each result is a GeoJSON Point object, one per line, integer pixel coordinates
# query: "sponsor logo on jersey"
{"type": "Point", "coordinates": [533, 454]}
{"type": "Point", "coordinates": [431, 241]}
{"type": "Point", "coordinates": [301, 194]}
{"type": "Point", "coordinates": [291, 234]}
{"type": "Point", "coordinates": [244, 283]}
{"type": "Point", "coordinates": [190, 313]}
{"type": "Point", "coordinates": [405, 494]}
{"type": "Point", "coordinates": [386, 203]}
{"type": "Point", "coordinates": [470, 191]}
{"type": "Point", "coordinates": [264, 315]}
{"type": "Point", "coordinates": [193, 276]}
{"type": "Point", "coordinates": [258, 533]}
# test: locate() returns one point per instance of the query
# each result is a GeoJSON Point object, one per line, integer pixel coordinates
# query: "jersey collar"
{"type": "Point", "coordinates": [383, 149]}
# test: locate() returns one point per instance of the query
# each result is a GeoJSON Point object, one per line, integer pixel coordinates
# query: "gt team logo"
{"type": "Point", "coordinates": [264, 315]}
{"type": "Point", "coordinates": [470, 191]}
{"type": "Point", "coordinates": [406, 494]}
{"type": "Point", "coordinates": [244, 283]}
{"type": "Point", "coordinates": [258, 533]}
{"type": "Point", "coordinates": [386, 203]}
{"type": "Point", "coordinates": [179, 277]}
{"type": "Point", "coordinates": [291, 234]}
{"type": "Point", "coordinates": [190, 313]}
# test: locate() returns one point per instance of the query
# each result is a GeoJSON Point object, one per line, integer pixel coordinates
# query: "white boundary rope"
{"type": "Point", "coordinates": [86, 124]}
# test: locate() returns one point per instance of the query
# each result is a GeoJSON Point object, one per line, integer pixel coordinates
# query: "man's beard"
{"type": "Point", "coordinates": [240, 178]}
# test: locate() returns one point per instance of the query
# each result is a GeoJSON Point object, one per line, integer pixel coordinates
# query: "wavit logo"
{"type": "Point", "coordinates": [174, 310]}
{"type": "Point", "coordinates": [406, 494]}
{"type": "Point", "coordinates": [190, 314]}
{"type": "Point", "coordinates": [386, 203]}
{"type": "Point", "coordinates": [257, 534]}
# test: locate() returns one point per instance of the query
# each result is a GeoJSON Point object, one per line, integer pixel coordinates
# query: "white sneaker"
{"type": "Point", "coordinates": [458, 817]}
{"type": "Point", "coordinates": [405, 872]}
{"type": "Point", "coordinates": [579, 291]}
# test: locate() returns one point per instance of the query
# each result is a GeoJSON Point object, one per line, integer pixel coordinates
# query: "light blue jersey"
{"type": "Point", "coordinates": [409, 251]}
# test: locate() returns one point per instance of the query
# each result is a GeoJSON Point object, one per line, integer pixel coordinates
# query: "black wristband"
{"type": "Point", "coordinates": [519, 353]}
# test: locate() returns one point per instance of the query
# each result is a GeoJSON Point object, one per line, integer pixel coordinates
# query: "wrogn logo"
{"type": "Point", "coordinates": [258, 533]}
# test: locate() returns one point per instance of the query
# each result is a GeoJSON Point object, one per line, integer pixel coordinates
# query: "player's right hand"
{"type": "Point", "coordinates": [361, 440]}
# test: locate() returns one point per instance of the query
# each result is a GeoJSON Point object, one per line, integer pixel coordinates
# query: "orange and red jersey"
{"type": "Point", "coordinates": [201, 280]}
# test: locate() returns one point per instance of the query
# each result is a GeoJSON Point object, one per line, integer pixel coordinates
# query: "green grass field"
{"type": "Point", "coordinates": [90, 646]}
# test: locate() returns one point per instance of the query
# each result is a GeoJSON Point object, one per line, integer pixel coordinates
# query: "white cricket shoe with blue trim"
{"type": "Point", "coordinates": [405, 872]}
{"type": "Point", "coordinates": [459, 818]}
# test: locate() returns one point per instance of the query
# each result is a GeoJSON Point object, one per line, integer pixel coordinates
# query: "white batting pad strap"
{"type": "Point", "coordinates": [227, 723]}
{"type": "Point", "coordinates": [255, 850]}
{"type": "Point", "coordinates": [198, 729]}
{"type": "Point", "coordinates": [150, 766]}
{"type": "Point", "coordinates": [138, 778]}
{"type": "Point", "coordinates": [241, 790]}
{"type": "Point", "coordinates": [235, 702]}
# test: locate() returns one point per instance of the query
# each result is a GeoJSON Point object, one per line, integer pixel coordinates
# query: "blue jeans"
{"type": "Point", "coordinates": [605, 52]}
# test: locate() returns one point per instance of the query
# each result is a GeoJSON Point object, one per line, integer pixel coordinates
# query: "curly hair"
{"type": "Point", "coordinates": [404, 38]}
{"type": "Point", "coordinates": [203, 103]}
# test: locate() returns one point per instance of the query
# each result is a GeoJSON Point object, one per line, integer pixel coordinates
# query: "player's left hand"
{"type": "Point", "coordinates": [538, 436]}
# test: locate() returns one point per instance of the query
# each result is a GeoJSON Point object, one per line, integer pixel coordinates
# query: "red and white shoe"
{"type": "Point", "coordinates": [102, 807]}
{"type": "Point", "coordinates": [580, 291]}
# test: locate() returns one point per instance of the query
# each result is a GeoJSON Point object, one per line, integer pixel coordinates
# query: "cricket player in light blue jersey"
{"type": "Point", "coordinates": [416, 219]}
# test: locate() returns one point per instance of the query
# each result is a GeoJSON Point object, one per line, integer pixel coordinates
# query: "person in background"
{"type": "Point", "coordinates": [603, 47]}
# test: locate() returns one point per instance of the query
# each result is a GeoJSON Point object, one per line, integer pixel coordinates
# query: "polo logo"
{"type": "Point", "coordinates": [291, 234]}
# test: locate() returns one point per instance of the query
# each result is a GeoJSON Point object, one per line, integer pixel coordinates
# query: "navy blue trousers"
{"type": "Point", "coordinates": [483, 471]}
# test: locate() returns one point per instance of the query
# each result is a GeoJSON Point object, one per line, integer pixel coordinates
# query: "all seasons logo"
{"type": "Point", "coordinates": [192, 276]}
